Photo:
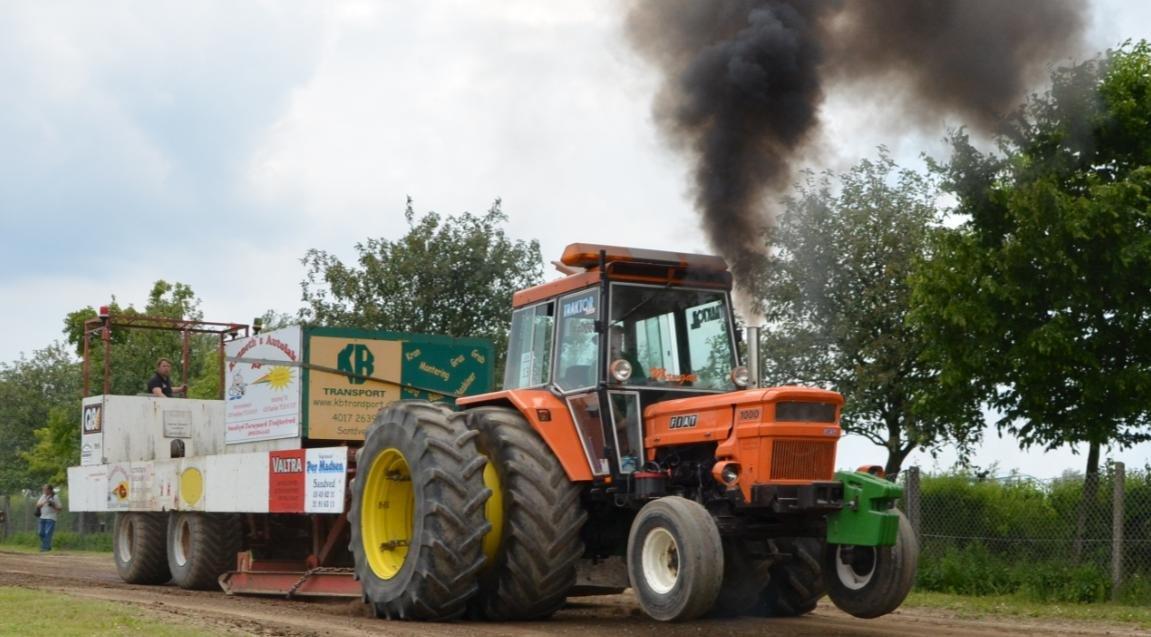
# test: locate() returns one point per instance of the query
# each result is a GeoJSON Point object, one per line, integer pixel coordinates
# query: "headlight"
{"type": "Point", "coordinates": [620, 370]}
{"type": "Point", "coordinates": [726, 471]}
{"type": "Point", "coordinates": [741, 377]}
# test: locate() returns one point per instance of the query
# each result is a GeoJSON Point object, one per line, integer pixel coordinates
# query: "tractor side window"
{"type": "Point", "coordinates": [578, 357]}
{"type": "Point", "coordinates": [529, 347]}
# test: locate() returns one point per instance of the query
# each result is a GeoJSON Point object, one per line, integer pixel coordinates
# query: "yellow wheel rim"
{"type": "Point", "coordinates": [387, 513]}
{"type": "Point", "coordinates": [494, 512]}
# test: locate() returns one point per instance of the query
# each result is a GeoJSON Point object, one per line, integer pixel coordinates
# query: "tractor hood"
{"type": "Point", "coordinates": [778, 435]}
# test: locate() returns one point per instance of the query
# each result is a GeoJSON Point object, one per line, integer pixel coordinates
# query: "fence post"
{"type": "Point", "coordinates": [30, 521]}
{"type": "Point", "coordinates": [911, 486]}
{"type": "Point", "coordinates": [7, 514]}
{"type": "Point", "coordinates": [1117, 517]}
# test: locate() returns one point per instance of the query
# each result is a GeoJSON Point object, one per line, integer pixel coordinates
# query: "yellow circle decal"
{"type": "Point", "coordinates": [191, 486]}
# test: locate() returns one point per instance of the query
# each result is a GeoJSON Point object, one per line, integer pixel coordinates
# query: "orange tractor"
{"type": "Point", "coordinates": [628, 448]}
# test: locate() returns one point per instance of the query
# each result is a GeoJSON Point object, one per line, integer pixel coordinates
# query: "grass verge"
{"type": "Point", "coordinates": [1014, 606]}
{"type": "Point", "coordinates": [63, 540]}
{"type": "Point", "coordinates": [32, 612]}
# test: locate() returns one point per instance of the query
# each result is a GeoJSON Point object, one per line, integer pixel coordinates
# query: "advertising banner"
{"type": "Point", "coordinates": [435, 370]}
{"type": "Point", "coordinates": [263, 386]}
{"type": "Point", "coordinates": [92, 437]}
{"type": "Point", "coordinates": [350, 379]}
{"type": "Point", "coordinates": [326, 473]}
{"type": "Point", "coordinates": [286, 481]}
{"type": "Point", "coordinates": [130, 485]}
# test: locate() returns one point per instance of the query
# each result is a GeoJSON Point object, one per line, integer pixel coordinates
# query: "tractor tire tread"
{"type": "Point", "coordinates": [701, 559]}
{"type": "Point", "coordinates": [149, 562]}
{"type": "Point", "coordinates": [895, 576]}
{"type": "Point", "coordinates": [215, 540]}
{"type": "Point", "coordinates": [446, 553]}
{"type": "Point", "coordinates": [796, 583]}
{"type": "Point", "coordinates": [536, 566]}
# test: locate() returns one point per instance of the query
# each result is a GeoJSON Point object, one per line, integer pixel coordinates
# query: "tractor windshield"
{"type": "Point", "coordinates": [674, 338]}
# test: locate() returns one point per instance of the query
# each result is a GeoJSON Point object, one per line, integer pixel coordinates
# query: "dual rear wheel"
{"type": "Point", "coordinates": [456, 513]}
{"type": "Point", "coordinates": [189, 548]}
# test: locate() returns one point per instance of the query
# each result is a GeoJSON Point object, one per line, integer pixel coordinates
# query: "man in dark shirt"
{"type": "Point", "coordinates": [161, 383]}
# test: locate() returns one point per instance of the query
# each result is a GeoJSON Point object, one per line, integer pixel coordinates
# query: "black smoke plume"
{"type": "Point", "coordinates": [743, 81]}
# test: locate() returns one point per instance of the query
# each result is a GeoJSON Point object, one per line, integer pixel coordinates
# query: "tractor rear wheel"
{"type": "Point", "coordinates": [536, 517]}
{"type": "Point", "coordinates": [139, 550]}
{"type": "Point", "coordinates": [417, 515]}
{"type": "Point", "coordinates": [675, 559]}
{"type": "Point", "coordinates": [796, 582]}
{"type": "Point", "coordinates": [870, 581]}
{"type": "Point", "coordinates": [202, 547]}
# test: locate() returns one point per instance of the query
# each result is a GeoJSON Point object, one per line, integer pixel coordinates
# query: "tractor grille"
{"type": "Point", "coordinates": [802, 460]}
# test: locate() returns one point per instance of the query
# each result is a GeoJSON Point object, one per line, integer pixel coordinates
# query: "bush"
{"type": "Point", "coordinates": [976, 571]}
{"type": "Point", "coordinates": [969, 571]}
{"type": "Point", "coordinates": [1068, 584]}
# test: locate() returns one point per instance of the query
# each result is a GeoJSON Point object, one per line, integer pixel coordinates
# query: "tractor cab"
{"type": "Point", "coordinates": [626, 329]}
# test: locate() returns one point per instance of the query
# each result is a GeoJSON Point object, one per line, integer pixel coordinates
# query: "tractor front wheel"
{"type": "Point", "coordinates": [675, 559]}
{"type": "Point", "coordinates": [870, 581]}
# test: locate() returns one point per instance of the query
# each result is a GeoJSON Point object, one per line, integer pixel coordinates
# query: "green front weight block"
{"type": "Point", "coordinates": [868, 517]}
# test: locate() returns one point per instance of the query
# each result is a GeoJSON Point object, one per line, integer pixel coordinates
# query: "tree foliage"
{"type": "Point", "coordinates": [1040, 303]}
{"type": "Point", "coordinates": [135, 351]}
{"type": "Point", "coordinates": [30, 389]}
{"type": "Point", "coordinates": [836, 297]}
{"type": "Point", "coordinates": [450, 275]}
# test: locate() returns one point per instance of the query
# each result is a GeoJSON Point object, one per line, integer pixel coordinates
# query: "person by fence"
{"type": "Point", "coordinates": [48, 508]}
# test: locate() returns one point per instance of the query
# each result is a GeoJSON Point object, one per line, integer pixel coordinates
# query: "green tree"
{"type": "Point", "coordinates": [1040, 303]}
{"type": "Point", "coordinates": [57, 444]}
{"type": "Point", "coordinates": [49, 442]}
{"type": "Point", "coordinates": [836, 294]}
{"type": "Point", "coordinates": [450, 275]}
{"type": "Point", "coordinates": [135, 351]}
{"type": "Point", "coordinates": [30, 389]}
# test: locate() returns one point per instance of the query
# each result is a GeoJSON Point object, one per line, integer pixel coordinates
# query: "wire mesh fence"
{"type": "Point", "coordinates": [19, 524]}
{"type": "Point", "coordinates": [1067, 539]}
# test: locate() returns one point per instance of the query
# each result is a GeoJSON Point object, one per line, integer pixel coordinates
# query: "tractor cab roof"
{"type": "Point", "coordinates": [581, 262]}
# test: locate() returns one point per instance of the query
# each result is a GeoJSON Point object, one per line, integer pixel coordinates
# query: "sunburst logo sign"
{"type": "Point", "coordinates": [264, 394]}
{"type": "Point", "coordinates": [277, 378]}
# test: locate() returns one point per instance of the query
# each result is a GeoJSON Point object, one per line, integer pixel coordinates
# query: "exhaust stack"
{"type": "Point", "coordinates": [753, 355]}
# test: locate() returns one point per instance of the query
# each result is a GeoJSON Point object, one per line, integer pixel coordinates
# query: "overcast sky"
{"type": "Point", "coordinates": [212, 143]}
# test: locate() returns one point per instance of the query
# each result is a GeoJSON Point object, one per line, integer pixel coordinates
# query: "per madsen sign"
{"type": "Point", "coordinates": [325, 466]}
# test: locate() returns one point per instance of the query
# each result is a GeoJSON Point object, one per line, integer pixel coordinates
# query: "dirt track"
{"type": "Point", "coordinates": [93, 576]}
